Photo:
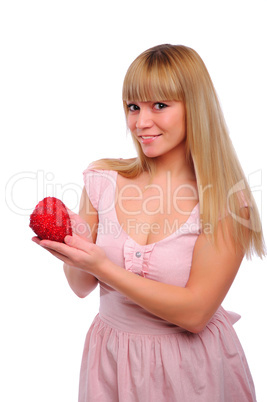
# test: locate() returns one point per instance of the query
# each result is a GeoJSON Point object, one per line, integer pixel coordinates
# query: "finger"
{"type": "Point", "coordinates": [59, 247]}
{"type": "Point", "coordinates": [80, 227]}
{"type": "Point", "coordinates": [72, 245]}
{"type": "Point", "coordinates": [59, 256]}
{"type": "Point", "coordinates": [70, 212]}
{"type": "Point", "coordinates": [36, 240]}
{"type": "Point", "coordinates": [63, 252]}
{"type": "Point", "coordinates": [79, 243]}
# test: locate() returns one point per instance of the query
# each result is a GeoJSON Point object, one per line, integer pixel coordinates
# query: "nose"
{"type": "Point", "coordinates": [144, 119]}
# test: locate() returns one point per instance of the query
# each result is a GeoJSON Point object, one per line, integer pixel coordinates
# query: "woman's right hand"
{"type": "Point", "coordinates": [79, 226]}
{"type": "Point", "coordinates": [84, 225]}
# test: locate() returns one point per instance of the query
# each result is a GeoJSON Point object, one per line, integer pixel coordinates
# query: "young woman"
{"type": "Point", "coordinates": [164, 234]}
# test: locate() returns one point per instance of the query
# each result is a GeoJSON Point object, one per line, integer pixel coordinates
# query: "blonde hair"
{"type": "Point", "coordinates": [175, 72]}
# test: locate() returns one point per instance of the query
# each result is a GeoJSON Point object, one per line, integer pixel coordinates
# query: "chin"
{"type": "Point", "coordinates": [152, 154]}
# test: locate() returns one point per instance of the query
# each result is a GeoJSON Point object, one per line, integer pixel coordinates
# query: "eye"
{"type": "Point", "coordinates": [160, 105]}
{"type": "Point", "coordinates": [132, 107]}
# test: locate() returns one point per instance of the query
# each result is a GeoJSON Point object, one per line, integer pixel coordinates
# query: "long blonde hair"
{"type": "Point", "coordinates": [175, 72]}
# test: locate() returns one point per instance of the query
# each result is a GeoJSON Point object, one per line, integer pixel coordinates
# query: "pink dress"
{"type": "Point", "coordinates": [131, 355]}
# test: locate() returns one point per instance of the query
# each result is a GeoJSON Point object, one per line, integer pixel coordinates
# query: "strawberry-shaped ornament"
{"type": "Point", "coordinates": [50, 220]}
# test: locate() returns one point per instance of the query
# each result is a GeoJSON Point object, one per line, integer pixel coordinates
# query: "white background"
{"type": "Point", "coordinates": [61, 72]}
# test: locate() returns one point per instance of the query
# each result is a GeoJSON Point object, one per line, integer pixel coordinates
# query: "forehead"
{"type": "Point", "coordinates": [148, 83]}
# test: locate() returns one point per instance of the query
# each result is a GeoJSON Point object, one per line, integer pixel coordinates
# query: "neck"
{"type": "Point", "coordinates": [175, 164]}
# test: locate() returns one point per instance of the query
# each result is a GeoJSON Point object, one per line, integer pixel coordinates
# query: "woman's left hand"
{"type": "Point", "coordinates": [77, 252]}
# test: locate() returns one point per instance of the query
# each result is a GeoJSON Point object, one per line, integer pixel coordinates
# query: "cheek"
{"type": "Point", "coordinates": [180, 124]}
{"type": "Point", "coordinates": [130, 122]}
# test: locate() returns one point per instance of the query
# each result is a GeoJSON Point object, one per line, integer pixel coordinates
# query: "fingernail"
{"type": "Point", "coordinates": [68, 239]}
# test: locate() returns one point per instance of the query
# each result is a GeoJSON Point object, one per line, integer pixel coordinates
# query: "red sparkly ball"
{"type": "Point", "coordinates": [50, 220]}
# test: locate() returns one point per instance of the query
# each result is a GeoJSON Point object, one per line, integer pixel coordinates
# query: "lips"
{"type": "Point", "coordinates": [145, 139]}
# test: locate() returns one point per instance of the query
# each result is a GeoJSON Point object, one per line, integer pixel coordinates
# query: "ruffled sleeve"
{"type": "Point", "coordinates": [93, 181]}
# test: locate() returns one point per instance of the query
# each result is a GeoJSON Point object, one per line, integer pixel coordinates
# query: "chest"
{"type": "Point", "coordinates": [151, 213]}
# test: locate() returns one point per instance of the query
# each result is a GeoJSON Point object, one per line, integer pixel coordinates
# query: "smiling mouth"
{"type": "Point", "coordinates": [146, 137]}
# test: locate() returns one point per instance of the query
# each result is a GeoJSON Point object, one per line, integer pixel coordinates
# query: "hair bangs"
{"type": "Point", "coordinates": [151, 80]}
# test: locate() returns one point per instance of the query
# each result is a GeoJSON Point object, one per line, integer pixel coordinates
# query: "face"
{"type": "Point", "coordinates": [158, 126]}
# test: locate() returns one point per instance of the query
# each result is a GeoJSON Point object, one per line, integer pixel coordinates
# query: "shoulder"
{"type": "Point", "coordinates": [112, 163]}
{"type": "Point", "coordinates": [96, 182]}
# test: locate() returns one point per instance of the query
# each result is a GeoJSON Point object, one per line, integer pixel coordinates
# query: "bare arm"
{"type": "Point", "coordinates": [191, 307]}
{"type": "Point", "coordinates": [212, 273]}
{"type": "Point", "coordinates": [82, 283]}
